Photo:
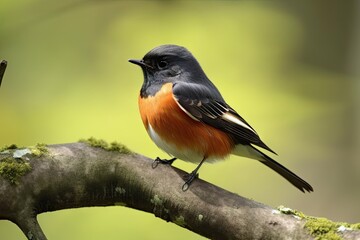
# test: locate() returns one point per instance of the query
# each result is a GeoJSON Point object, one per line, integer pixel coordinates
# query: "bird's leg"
{"type": "Point", "coordinates": [192, 176]}
{"type": "Point", "coordinates": [162, 161]}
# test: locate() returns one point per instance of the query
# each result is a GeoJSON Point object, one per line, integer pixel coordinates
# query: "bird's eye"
{"type": "Point", "coordinates": [162, 64]}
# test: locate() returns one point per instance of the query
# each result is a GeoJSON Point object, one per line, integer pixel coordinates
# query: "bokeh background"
{"type": "Point", "coordinates": [290, 68]}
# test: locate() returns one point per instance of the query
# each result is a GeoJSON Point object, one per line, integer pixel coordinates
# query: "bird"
{"type": "Point", "coordinates": [186, 116]}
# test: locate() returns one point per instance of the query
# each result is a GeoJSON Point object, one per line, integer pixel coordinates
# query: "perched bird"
{"type": "Point", "coordinates": [186, 116]}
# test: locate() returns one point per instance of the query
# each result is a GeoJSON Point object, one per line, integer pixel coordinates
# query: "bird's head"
{"type": "Point", "coordinates": [169, 63]}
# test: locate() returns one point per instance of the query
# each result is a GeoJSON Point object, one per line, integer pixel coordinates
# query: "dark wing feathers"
{"type": "Point", "coordinates": [200, 103]}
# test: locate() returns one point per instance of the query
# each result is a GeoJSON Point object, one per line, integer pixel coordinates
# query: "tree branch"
{"type": "Point", "coordinates": [79, 175]}
{"type": "Point", "coordinates": [3, 65]}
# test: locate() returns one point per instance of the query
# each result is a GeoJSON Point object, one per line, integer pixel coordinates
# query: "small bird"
{"type": "Point", "coordinates": [186, 116]}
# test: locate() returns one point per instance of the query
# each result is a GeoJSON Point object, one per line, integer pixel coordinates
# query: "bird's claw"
{"type": "Point", "coordinates": [189, 179]}
{"type": "Point", "coordinates": [162, 161]}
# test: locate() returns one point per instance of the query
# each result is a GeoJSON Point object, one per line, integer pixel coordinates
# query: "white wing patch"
{"type": "Point", "coordinates": [187, 113]}
{"type": "Point", "coordinates": [231, 118]}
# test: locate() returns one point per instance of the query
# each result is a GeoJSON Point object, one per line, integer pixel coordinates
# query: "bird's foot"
{"type": "Point", "coordinates": [162, 161]}
{"type": "Point", "coordinates": [189, 179]}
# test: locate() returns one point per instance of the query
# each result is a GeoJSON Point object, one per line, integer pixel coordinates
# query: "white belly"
{"type": "Point", "coordinates": [171, 149]}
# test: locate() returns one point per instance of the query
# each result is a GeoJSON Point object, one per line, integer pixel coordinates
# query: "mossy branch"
{"type": "Point", "coordinates": [94, 173]}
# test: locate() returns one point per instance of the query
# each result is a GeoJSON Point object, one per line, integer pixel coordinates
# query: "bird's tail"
{"type": "Point", "coordinates": [254, 153]}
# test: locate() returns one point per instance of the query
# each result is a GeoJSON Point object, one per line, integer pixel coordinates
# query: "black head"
{"type": "Point", "coordinates": [168, 63]}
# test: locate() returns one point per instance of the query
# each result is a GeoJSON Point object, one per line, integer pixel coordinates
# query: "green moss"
{"type": "Point", "coordinates": [15, 163]}
{"type": "Point", "coordinates": [95, 142]}
{"type": "Point", "coordinates": [118, 147]}
{"type": "Point", "coordinates": [355, 226]}
{"type": "Point", "coordinates": [114, 146]}
{"type": "Point", "coordinates": [40, 149]}
{"type": "Point", "coordinates": [12, 169]}
{"type": "Point", "coordinates": [7, 147]}
{"type": "Point", "coordinates": [290, 211]}
{"type": "Point", "coordinates": [156, 200]}
{"type": "Point", "coordinates": [180, 220]}
{"type": "Point", "coordinates": [320, 228]}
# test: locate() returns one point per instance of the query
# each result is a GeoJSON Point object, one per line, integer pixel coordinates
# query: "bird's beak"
{"type": "Point", "coordinates": [141, 63]}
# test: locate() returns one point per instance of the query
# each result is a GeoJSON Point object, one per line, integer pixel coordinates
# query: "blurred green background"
{"type": "Point", "coordinates": [290, 68]}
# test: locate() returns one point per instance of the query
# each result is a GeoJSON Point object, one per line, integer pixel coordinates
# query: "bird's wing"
{"type": "Point", "coordinates": [199, 103]}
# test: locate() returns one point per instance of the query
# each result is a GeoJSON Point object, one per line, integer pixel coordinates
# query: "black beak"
{"type": "Point", "coordinates": [141, 63]}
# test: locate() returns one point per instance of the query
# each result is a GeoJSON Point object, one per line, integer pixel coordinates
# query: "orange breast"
{"type": "Point", "coordinates": [175, 127]}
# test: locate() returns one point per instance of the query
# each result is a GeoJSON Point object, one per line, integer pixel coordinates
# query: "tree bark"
{"type": "Point", "coordinates": [3, 65]}
{"type": "Point", "coordinates": [79, 175]}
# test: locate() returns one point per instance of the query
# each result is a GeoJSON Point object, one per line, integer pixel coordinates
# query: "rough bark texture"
{"type": "Point", "coordinates": [79, 175]}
